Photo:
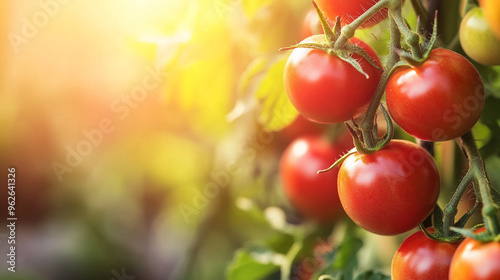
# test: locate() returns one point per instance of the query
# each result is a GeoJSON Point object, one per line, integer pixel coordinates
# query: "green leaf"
{"type": "Point", "coordinates": [253, 264]}
{"type": "Point", "coordinates": [372, 275]}
{"type": "Point", "coordinates": [346, 253]}
{"type": "Point", "coordinates": [277, 111]}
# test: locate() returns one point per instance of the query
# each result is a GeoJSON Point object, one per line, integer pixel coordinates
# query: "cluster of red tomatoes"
{"type": "Point", "coordinates": [392, 190]}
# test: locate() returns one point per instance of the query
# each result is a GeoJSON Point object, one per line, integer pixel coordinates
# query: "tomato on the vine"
{"type": "Point", "coordinates": [313, 195]}
{"type": "Point", "coordinates": [477, 40]}
{"type": "Point", "coordinates": [390, 191]}
{"type": "Point", "coordinates": [439, 100]}
{"type": "Point", "coordinates": [476, 260]}
{"type": "Point", "coordinates": [350, 10]}
{"type": "Point", "coordinates": [421, 258]}
{"type": "Point", "coordinates": [326, 89]}
{"type": "Point", "coordinates": [492, 12]}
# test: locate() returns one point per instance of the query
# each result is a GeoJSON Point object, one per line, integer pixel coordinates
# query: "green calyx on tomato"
{"type": "Point", "coordinates": [421, 258]}
{"type": "Point", "coordinates": [327, 45]}
{"type": "Point", "coordinates": [390, 191]}
{"type": "Point", "coordinates": [442, 234]}
{"type": "Point", "coordinates": [477, 39]}
{"type": "Point", "coordinates": [439, 100]}
{"type": "Point", "coordinates": [327, 84]}
{"type": "Point", "coordinates": [476, 260]}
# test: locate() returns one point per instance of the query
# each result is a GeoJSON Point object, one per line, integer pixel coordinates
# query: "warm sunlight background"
{"type": "Point", "coordinates": [115, 115]}
{"type": "Point", "coordinates": [143, 132]}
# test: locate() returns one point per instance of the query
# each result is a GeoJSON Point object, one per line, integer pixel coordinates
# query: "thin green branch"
{"type": "Point", "coordinates": [412, 39]}
{"type": "Point", "coordinates": [349, 29]}
{"type": "Point", "coordinates": [290, 256]}
{"type": "Point", "coordinates": [490, 210]}
{"type": "Point", "coordinates": [368, 125]}
{"type": "Point", "coordinates": [451, 208]}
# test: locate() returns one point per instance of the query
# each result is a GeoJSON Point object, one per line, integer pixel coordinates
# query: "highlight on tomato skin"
{"type": "Point", "coordinates": [390, 191]}
{"type": "Point", "coordinates": [476, 260]}
{"type": "Point", "coordinates": [439, 100]}
{"type": "Point", "coordinates": [326, 89]}
{"type": "Point", "coordinates": [421, 258]}
{"type": "Point", "coordinates": [313, 195]}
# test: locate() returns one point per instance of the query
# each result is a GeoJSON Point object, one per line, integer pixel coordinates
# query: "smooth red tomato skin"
{"type": "Point", "coordinates": [492, 12]}
{"type": "Point", "coordinates": [476, 260]}
{"type": "Point", "coordinates": [390, 191]}
{"type": "Point", "coordinates": [439, 100]}
{"type": "Point", "coordinates": [314, 195]}
{"type": "Point", "coordinates": [477, 39]}
{"type": "Point", "coordinates": [421, 258]}
{"type": "Point", "coordinates": [350, 10]}
{"type": "Point", "coordinates": [324, 88]}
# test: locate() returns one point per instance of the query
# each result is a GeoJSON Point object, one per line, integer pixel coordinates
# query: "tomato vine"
{"type": "Point", "coordinates": [410, 49]}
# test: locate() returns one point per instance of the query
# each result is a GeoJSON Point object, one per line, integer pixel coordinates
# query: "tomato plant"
{"type": "Point", "coordinates": [422, 258]}
{"type": "Point", "coordinates": [476, 260]}
{"type": "Point", "coordinates": [390, 191]}
{"type": "Point", "coordinates": [439, 100]}
{"type": "Point", "coordinates": [314, 195]}
{"type": "Point", "coordinates": [326, 89]}
{"type": "Point", "coordinates": [477, 40]}
{"type": "Point", "coordinates": [492, 12]}
{"type": "Point", "coordinates": [389, 186]}
{"type": "Point", "coordinates": [350, 10]}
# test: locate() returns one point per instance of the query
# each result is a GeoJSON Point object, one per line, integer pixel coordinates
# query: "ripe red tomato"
{"type": "Point", "coordinates": [314, 195]}
{"type": "Point", "coordinates": [439, 100]}
{"type": "Point", "coordinates": [476, 260]}
{"type": "Point", "coordinates": [421, 258]}
{"type": "Point", "coordinates": [492, 12]}
{"type": "Point", "coordinates": [477, 40]}
{"type": "Point", "coordinates": [390, 191]}
{"type": "Point", "coordinates": [326, 89]}
{"type": "Point", "coordinates": [350, 10]}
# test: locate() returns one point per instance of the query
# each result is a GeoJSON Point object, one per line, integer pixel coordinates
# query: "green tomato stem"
{"type": "Point", "coordinates": [412, 39]}
{"type": "Point", "coordinates": [290, 257]}
{"type": "Point", "coordinates": [349, 29]}
{"type": "Point", "coordinates": [368, 124]}
{"type": "Point", "coordinates": [451, 208]}
{"type": "Point", "coordinates": [490, 210]}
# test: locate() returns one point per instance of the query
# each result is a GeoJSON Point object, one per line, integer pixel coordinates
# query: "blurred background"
{"type": "Point", "coordinates": [139, 128]}
{"type": "Point", "coordinates": [115, 116]}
